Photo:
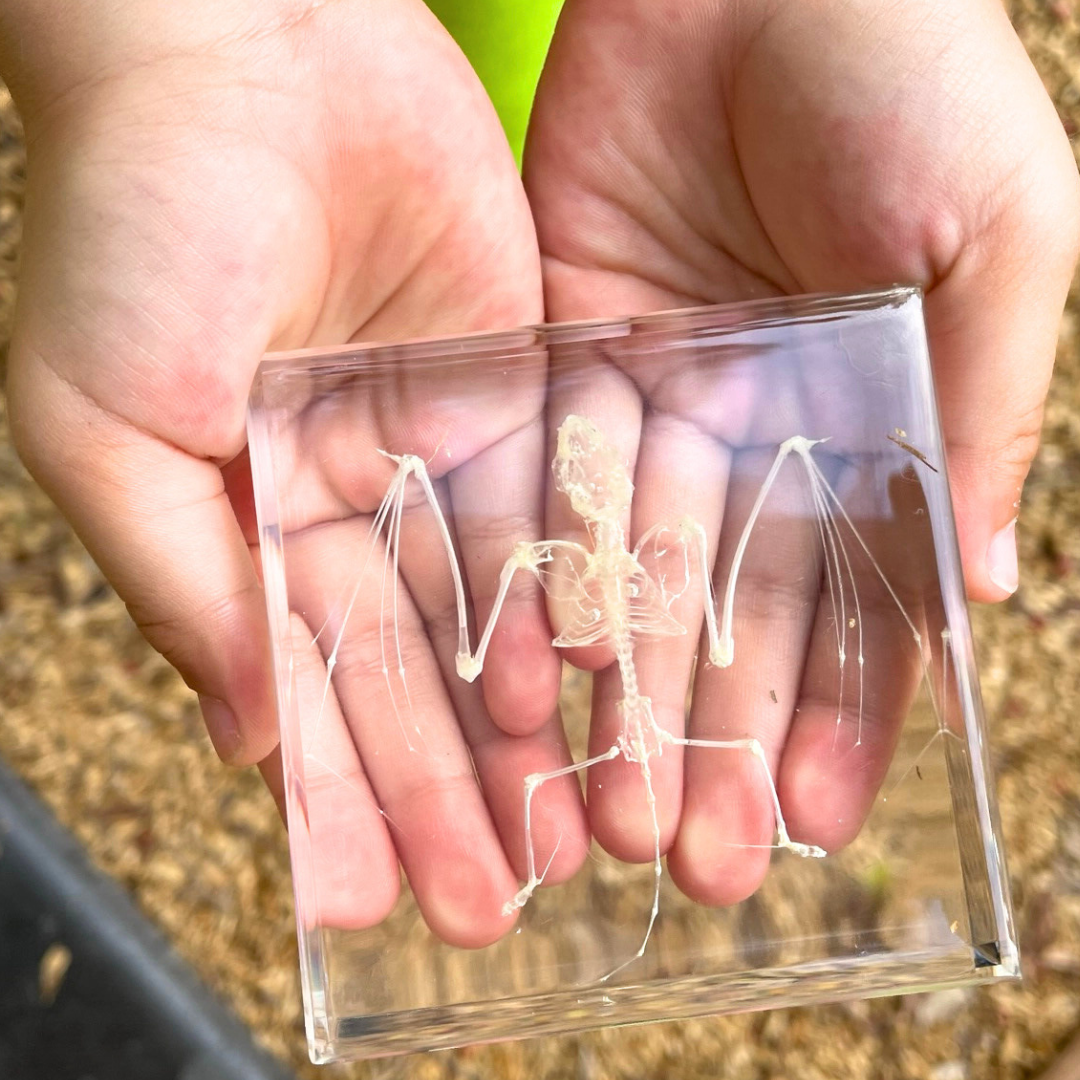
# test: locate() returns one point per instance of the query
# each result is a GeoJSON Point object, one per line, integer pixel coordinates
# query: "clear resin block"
{"type": "Point", "coordinates": [624, 674]}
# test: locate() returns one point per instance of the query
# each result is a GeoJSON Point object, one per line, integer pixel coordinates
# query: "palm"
{"type": "Point", "coordinates": [638, 197]}
{"type": "Point", "coordinates": [734, 167]}
{"type": "Point", "coordinates": [281, 215]}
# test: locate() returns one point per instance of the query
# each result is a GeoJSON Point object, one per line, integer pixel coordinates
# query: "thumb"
{"type": "Point", "coordinates": [160, 524]}
{"type": "Point", "coordinates": [993, 324]}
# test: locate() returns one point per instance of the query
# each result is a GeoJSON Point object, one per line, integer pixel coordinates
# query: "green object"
{"type": "Point", "coordinates": [506, 42]}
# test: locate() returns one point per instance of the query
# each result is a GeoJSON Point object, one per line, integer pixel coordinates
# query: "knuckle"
{"type": "Point", "coordinates": [188, 635]}
{"type": "Point", "coordinates": [1005, 458]}
{"type": "Point", "coordinates": [1016, 453]}
{"type": "Point", "coordinates": [772, 591]}
{"type": "Point", "coordinates": [371, 649]}
{"type": "Point", "coordinates": [430, 794]}
{"type": "Point", "coordinates": [497, 530]}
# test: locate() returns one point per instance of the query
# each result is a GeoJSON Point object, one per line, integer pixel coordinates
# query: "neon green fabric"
{"type": "Point", "coordinates": [506, 42]}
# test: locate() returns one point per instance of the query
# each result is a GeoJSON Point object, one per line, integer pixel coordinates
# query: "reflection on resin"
{"type": "Point", "coordinates": [605, 595]}
{"type": "Point", "coordinates": [730, 530]}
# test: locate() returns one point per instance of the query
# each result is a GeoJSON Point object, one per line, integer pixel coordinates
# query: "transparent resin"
{"type": "Point", "coordinates": [624, 673]}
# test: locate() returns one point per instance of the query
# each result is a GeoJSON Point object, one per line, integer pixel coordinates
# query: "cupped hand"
{"type": "Point", "coordinates": [683, 153]}
{"type": "Point", "coordinates": [207, 183]}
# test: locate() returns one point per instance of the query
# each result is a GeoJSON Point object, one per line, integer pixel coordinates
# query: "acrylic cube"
{"type": "Point", "coordinates": [711, 552]}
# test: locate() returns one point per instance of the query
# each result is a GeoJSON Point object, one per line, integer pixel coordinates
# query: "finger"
{"type": "Point", "coordinates": [556, 830]}
{"type": "Point", "coordinates": [160, 525]}
{"type": "Point", "coordinates": [385, 681]}
{"type": "Point", "coordinates": [993, 329]}
{"type": "Point", "coordinates": [402, 400]}
{"type": "Point", "coordinates": [852, 706]}
{"type": "Point", "coordinates": [993, 321]}
{"type": "Point", "coordinates": [681, 475]}
{"type": "Point", "coordinates": [721, 852]}
{"type": "Point", "coordinates": [352, 881]}
{"type": "Point", "coordinates": [498, 499]}
{"type": "Point", "coordinates": [393, 692]}
{"type": "Point", "coordinates": [988, 222]}
{"type": "Point", "coordinates": [270, 769]}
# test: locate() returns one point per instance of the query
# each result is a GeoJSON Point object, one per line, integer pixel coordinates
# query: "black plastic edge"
{"type": "Point", "coordinates": [95, 916]}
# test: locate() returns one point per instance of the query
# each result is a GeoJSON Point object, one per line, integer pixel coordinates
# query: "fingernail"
{"type": "Point", "coordinates": [222, 726]}
{"type": "Point", "coordinates": [1001, 559]}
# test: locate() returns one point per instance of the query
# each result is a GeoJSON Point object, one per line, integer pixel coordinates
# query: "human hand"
{"type": "Point", "coordinates": [206, 183]}
{"type": "Point", "coordinates": [686, 153]}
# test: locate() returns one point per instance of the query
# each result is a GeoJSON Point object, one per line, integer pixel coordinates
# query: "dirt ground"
{"type": "Point", "coordinates": [108, 735]}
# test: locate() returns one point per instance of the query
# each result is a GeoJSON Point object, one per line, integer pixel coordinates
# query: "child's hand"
{"type": "Point", "coordinates": [700, 152]}
{"type": "Point", "coordinates": [208, 181]}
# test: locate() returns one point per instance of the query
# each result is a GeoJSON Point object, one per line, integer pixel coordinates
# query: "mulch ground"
{"type": "Point", "coordinates": [110, 738]}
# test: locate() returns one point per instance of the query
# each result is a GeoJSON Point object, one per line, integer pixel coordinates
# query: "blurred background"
{"type": "Point", "coordinates": [111, 740]}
